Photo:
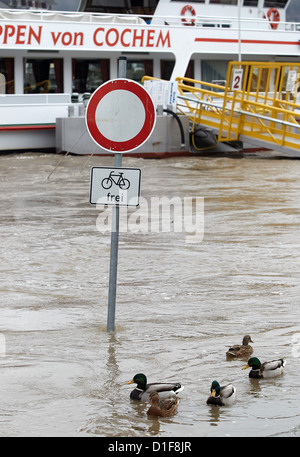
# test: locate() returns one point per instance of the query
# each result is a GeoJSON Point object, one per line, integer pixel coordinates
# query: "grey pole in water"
{"type": "Point", "coordinates": [114, 242]}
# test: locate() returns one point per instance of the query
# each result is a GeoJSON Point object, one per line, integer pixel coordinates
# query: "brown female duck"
{"type": "Point", "coordinates": [162, 407]}
{"type": "Point", "coordinates": [241, 350]}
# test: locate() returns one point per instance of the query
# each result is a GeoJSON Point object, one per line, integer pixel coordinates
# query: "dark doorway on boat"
{"type": "Point", "coordinates": [167, 66]}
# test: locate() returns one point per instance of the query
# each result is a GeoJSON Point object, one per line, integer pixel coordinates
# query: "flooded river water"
{"type": "Point", "coordinates": [180, 304]}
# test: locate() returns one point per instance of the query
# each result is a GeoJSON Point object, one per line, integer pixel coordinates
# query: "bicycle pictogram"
{"type": "Point", "coordinates": [115, 178]}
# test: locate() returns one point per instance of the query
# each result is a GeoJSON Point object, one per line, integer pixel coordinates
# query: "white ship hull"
{"type": "Point", "coordinates": [174, 41]}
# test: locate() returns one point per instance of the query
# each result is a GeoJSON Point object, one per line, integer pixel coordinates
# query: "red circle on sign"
{"type": "Point", "coordinates": [144, 132]}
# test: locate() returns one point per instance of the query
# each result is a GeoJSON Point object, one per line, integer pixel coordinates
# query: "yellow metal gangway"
{"type": "Point", "coordinates": [258, 104]}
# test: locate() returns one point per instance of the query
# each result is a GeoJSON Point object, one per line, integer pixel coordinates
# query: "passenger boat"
{"type": "Point", "coordinates": [50, 59]}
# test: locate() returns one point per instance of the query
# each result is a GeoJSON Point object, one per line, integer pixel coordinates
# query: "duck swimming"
{"type": "Point", "coordinates": [265, 370]}
{"type": "Point", "coordinates": [241, 350]}
{"type": "Point", "coordinates": [162, 407]}
{"type": "Point", "coordinates": [221, 396]}
{"type": "Point", "coordinates": [143, 389]}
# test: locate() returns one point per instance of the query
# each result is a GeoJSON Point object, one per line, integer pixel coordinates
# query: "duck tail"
{"type": "Point", "coordinates": [178, 388]}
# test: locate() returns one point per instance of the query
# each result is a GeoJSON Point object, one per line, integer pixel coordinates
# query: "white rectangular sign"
{"type": "Point", "coordinates": [115, 186]}
{"type": "Point", "coordinates": [237, 79]}
{"type": "Point", "coordinates": [163, 92]}
{"type": "Point", "coordinates": [291, 81]}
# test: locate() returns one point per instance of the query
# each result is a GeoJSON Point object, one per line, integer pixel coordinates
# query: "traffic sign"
{"type": "Point", "coordinates": [115, 186]}
{"type": "Point", "coordinates": [120, 115]}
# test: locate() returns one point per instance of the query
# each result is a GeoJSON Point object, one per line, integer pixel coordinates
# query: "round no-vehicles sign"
{"type": "Point", "coordinates": [120, 115]}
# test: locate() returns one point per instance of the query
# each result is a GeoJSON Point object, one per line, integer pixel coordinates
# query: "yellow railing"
{"type": "Point", "coordinates": [258, 102]}
{"type": "Point", "coordinates": [202, 102]}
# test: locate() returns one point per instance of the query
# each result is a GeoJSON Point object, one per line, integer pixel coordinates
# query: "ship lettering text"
{"type": "Point", "coordinates": [36, 36]}
{"type": "Point", "coordinates": [67, 38]}
{"type": "Point", "coordinates": [136, 38]}
{"type": "Point", "coordinates": [20, 34]}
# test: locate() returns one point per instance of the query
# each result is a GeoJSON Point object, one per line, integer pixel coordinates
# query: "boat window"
{"type": "Point", "coordinates": [275, 3]}
{"type": "Point", "coordinates": [88, 75]}
{"type": "Point", "coordinates": [7, 69]}
{"type": "Point", "coordinates": [225, 2]}
{"type": "Point", "coordinates": [214, 70]}
{"type": "Point", "coordinates": [43, 76]}
{"type": "Point", "coordinates": [30, 4]}
{"type": "Point", "coordinates": [190, 1]}
{"type": "Point", "coordinates": [120, 6]}
{"type": "Point", "coordinates": [136, 69]}
{"type": "Point", "coordinates": [250, 3]}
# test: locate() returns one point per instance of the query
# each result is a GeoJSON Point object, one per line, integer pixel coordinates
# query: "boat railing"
{"type": "Point", "coordinates": [270, 118]}
{"type": "Point", "coordinates": [23, 111]}
{"type": "Point", "coordinates": [34, 99]}
{"type": "Point", "coordinates": [198, 21]}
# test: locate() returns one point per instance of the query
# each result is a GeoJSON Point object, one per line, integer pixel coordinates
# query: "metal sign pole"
{"type": "Point", "coordinates": [125, 103]}
{"type": "Point", "coordinates": [114, 242]}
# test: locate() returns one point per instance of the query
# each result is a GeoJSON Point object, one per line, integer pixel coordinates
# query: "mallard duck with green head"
{"type": "Point", "coordinates": [241, 350]}
{"type": "Point", "coordinates": [164, 407]}
{"type": "Point", "coordinates": [265, 370]}
{"type": "Point", "coordinates": [221, 396]}
{"type": "Point", "coordinates": [143, 389]}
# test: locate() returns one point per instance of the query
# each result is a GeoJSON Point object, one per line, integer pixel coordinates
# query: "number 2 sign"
{"type": "Point", "coordinates": [237, 79]}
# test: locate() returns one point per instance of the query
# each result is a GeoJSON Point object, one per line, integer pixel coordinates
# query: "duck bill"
{"type": "Point", "coordinates": [213, 393]}
{"type": "Point", "coordinates": [246, 366]}
{"type": "Point", "coordinates": [130, 382]}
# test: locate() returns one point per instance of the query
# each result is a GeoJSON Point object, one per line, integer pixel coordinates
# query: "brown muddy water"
{"type": "Point", "coordinates": [179, 304]}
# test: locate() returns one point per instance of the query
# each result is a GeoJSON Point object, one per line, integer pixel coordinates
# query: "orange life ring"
{"type": "Point", "coordinates": [193, 12]}
{"type": "Point", "coordinates": [274, 17]}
